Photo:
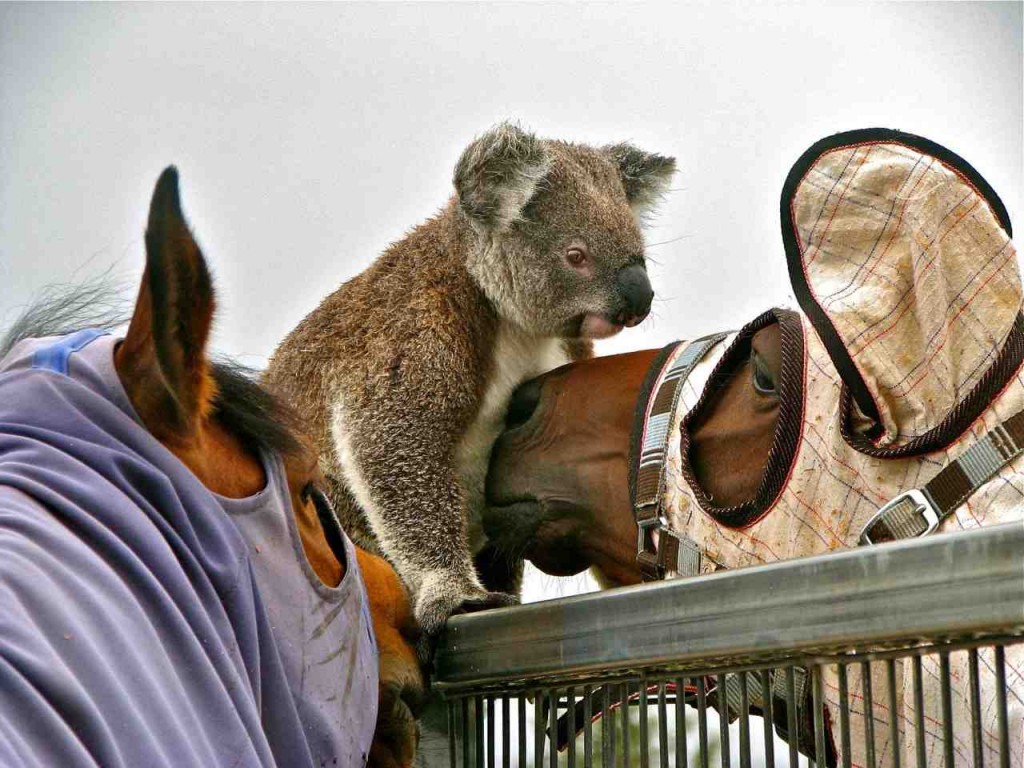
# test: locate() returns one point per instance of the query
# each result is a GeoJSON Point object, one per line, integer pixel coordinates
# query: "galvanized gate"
{"type": "Point", "coordinates": [904, 654]}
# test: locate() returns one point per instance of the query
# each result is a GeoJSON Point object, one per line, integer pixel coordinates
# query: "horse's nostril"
{"type": "Point", "coordinates": [522, 405]}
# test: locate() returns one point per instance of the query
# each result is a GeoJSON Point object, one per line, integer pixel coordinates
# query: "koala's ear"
{"type": "Point", "coordinates": [498, 174]}
{"type": "Point", "coordinates": [645, 175]}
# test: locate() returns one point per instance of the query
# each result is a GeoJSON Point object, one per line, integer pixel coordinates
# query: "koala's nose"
{"type": "Point", "coordinates": [635, 290]}
{"type": "Point", "coordinates": [523, 403]}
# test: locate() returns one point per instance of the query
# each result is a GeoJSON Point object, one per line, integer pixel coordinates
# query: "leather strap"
{"type": "Point", "coordinates": [659, 549]}
{"type": "Point", "coordinates": [918, 512]}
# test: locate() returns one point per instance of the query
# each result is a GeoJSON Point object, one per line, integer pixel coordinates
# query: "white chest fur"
{"type": "Point", "coordinates": [516, 357]}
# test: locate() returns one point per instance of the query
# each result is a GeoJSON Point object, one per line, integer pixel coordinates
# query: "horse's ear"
{"type": "Point", "coordinates": [162, 361]}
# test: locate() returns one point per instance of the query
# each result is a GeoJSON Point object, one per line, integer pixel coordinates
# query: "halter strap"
{"type": "Point", "coordinates": [670, 551]}
{"type": "Point", "coordinates": [920, 511]}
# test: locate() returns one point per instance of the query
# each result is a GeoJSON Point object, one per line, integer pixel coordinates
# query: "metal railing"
{"type": "Point", "coordinates": [901, 654]}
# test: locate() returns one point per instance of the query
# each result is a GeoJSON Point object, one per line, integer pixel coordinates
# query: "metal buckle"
{"type": "Point", "coordinates": [643, 526]}
{"type": "Point", "coordinates": [922, 505]}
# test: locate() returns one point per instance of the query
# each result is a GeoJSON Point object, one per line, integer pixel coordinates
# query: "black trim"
{"type": "Point", "coordinates": [853, 383]}
{"type": "Point", "coordinates": [958, 420]}
{"type": "Point", "coordinates": [788, 427]}
{"type": "Point", "coordinates": [640, 413]}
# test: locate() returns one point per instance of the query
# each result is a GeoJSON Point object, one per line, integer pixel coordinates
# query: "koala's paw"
{"type": "Point", "coordinates": [439, 600]}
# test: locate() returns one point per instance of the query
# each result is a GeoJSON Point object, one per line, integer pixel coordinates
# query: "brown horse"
{"type": "Point", "coordinates": [558, 490]}
{"type": "Point", "coordinates": [217, 420]}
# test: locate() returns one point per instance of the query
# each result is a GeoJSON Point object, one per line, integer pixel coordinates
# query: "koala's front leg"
{"type": "Point", "coordinates": [398, 458]}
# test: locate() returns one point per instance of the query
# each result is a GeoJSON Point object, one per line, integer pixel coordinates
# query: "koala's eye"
{"type": "Point", "coordinates": [577, 257]}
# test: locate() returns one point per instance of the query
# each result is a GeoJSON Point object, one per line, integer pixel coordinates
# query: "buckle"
{"type": "Point", "coordinates": [643, 526]}
{"type": "Point", "coordinates": [923, 506]}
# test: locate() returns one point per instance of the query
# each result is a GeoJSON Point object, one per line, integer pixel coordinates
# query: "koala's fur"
{"type": "Point", "coordinates": [405, 371]}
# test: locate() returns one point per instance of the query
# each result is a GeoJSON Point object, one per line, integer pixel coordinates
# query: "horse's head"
{"type": "Point", "coordinates": [208, 415]}
{"type": "Point", "coordinates": [212, 417]}
{"type": "Point", "coordinates": [558, 489]}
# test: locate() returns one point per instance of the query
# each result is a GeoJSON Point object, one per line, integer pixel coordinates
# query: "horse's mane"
{"type": "Point", "coordinates": [98, 302]}
{"type": "Point", "coordinates": [250, 411]}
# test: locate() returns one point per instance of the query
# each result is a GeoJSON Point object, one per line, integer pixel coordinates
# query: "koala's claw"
{"type": "Point", "coordinates": [434, 607]}
{"type": "Point", "coordinates": [486, 602]}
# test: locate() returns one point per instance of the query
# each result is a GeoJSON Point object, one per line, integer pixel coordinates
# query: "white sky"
{"type": "Point", "coordinates": [310, 136]}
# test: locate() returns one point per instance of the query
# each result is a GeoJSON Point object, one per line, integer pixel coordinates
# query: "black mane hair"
{"type": "Point", "coordinates": [252, 412]}
{"type": "Point", "coordinates": [243, 405]}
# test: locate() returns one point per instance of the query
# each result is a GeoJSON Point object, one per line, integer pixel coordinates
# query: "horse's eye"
{"type": "Point", "coordinates": [764, 381]}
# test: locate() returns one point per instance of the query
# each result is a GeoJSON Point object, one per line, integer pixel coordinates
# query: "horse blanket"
{"type": "Point", "coordinates": [908, 350]}
{"type": "Point", "coordinates": [145, 621]}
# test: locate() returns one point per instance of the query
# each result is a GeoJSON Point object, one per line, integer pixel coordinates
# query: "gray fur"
{"type": "Point", "coordinates": [405, 371]}
{"type": "Point", "coordinates": [498, 175]}
{"type": "Point", "coordinates": [646, 176]}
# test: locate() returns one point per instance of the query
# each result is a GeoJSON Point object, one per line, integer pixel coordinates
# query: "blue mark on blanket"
{"type": "Point", "coordinates": [55, 357]}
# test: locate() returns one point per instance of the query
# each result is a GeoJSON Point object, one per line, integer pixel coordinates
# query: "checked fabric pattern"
{"type": "Point", "coordinates": [909, 263]}
{"type": "Point", "coordinates": [919, 280]}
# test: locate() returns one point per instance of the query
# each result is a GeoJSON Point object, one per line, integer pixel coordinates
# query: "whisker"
{"type": "Point", "coordinates": [671, 240]}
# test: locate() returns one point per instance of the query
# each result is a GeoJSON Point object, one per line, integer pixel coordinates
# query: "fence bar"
{"type": "Point", "coordinates": [744, 722]}
{"type": "Point", "coordinates": [680, 714]}
{"type": "Point", "coordinates": [791, 725]}
{"type": "Point", "coordinates": [616, 694]}
{"type": "Point", "coordinates": [919, 712]}
{"type": "Point", "coordinates": [466, 759]}
{"type": "Point", "coordinates": [607, 728]}
{"type": "Point", "coordinates": [662, 727]}
{"type": "Point", "coordinates": [626, 756]}
{"type": "Point", "coordinates": [522, 730]}
{"type": "Point", "coordinates": [1004, 722]}
{"type": "Point", "coordinates": [768, 696]}
{"type": "Point", "coordinates": [844, 715]}
{"type": "Point", "coordinates": [478, 729]}
{"type": "Point", "coordinates": [588, 727]}
{"type": "Point", "coordinates": [553, 728]}
{"type": "Point", "coordinates": [702, 722]}
{"type": "Point", "coordinates": [947, 709]}
{"type": "Point", "coordinates": [452, 757]}
{"type": "Point", "coordinates": [818, 703]}
{"type": "Point", "coordinates": [894, 719]}
{"type": "Point", "coordinates": [506, 732]}
{"type": "Point", "coordinates": [644, 745]}
{"type": "Point", "coordinates": [491, 762]}
{"type": "Point", "coordinates": [843, 595]}
{"type": "Point", "coordinates": [570, 703]}
{"type": "Point", "coordinates": [723, 720]}
{"type": "Point", "coordinates": [538, 727]}
{"type": "Point", "coordinates": [869, 714]}
{"type": "Point", "coordinates": [976, 723]}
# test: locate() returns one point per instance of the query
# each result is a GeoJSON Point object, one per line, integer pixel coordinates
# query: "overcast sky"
{"type": "Point", "coordinates": [310, 136]}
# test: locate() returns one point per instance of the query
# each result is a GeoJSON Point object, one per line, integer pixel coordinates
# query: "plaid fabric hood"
{"type": "Point", "coordinates": [900, 255]}
{"type": "Point", "coordinates": [909, 350]}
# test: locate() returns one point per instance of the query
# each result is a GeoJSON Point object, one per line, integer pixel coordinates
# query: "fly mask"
{"type": "Point", "coordinates": [906, 362]}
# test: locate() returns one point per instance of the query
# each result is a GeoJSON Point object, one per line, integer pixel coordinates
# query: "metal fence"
{"type": "Point", "coordinates": [904, 654]}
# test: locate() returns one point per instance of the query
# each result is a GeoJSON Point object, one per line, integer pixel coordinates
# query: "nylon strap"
{"type": "Point", "coordinates": [920, 511]}
{"type": "Point", "coordinates": [669, 551]}
{"type": "Point", "coordinates": [778, 686]}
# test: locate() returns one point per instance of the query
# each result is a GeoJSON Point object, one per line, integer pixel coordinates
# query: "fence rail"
{"type": "Point", "coordinates": [897, 654]}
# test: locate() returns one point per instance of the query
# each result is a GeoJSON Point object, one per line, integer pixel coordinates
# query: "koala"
{"type": "Point", "coordinates": [405, 371]}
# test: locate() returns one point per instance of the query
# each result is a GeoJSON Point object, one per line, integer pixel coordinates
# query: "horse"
{"type": "Point", "coordinates": [784, 439]}
{"type": "Point", "coordinates": [150, 600]}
